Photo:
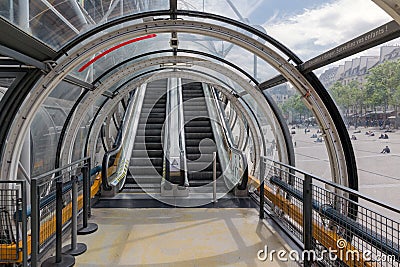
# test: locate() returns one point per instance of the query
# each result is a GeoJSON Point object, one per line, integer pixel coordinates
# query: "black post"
{"type": "Point", "coordinates": [24, 225]}
{"type": "Point", "coordinates": [59, 206]}
{"type": "Point", "coordinates": [60, 259]}
{"type": "Point", "coordinates": [262, 178]}
{"type": "Point", "coordinates": [74, 248]}
{"type": "Point", "coordinates": [307, 218]}
{"type": "Point", "coordinates": [86, 228]}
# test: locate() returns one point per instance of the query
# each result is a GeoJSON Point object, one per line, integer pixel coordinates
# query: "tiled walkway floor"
{"type": "Point", "coordinates": [178, 237]}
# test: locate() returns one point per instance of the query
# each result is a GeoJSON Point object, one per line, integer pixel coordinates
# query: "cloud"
{"type": "Point", "coordinates": [316, 30]}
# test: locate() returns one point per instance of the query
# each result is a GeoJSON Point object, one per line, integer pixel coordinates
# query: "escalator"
{"type": "Point", "coordinates": [199, 136]}
{"type": "Point", "coordinates": [146, 163]}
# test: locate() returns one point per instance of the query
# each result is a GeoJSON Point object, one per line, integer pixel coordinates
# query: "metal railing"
{"type": "Point", "coordinates": [238, 161]}
{"type": "Point", "coordinates": [340, 226]}
{"type": "Point", "coordinates": [117, 149]}
{"type": "Point", "coordinates": [182, 142]}
{"type": "Point", "coordinates": [13, 222]}
{"type": "Point", "coordinates": [52, 206]}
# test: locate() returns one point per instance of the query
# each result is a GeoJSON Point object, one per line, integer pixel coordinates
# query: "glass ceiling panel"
{"type": "Point", "coordinates": [59, 21]}
{"type": "Point", "coordinates": [161, 41]}
{"type": "Point", "coordinates": [308, 27]}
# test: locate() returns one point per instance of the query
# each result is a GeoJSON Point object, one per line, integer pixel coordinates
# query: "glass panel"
{"type": "Point", "coordinates": [161, 41]}
{"type": "Point", "coordinates": [5, 83]}
{"type": "Point", "coordinates": [57, 22]}
{"type": "Point", "coordinates": [239, 10]}
{"type": "Point", "coordinates": [80, 141]}
{"type": "Point", "coordinates": [306, 27]}
{"type": "Point", "coordinates": [310, 28]}
{"type": "Point", "coordinates": [230, 52]}
{"type": "Point", "coordinates": [265, 126]}
{"type": "Point", "coordinates": [310, 150]}
{"type": "Point", "coordinates": [366, 88]}
{"type": "Point", "coordinates": [47, 125]}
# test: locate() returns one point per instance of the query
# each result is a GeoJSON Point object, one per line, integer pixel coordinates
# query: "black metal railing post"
{"type": "Point", "coordinates": [307, 219]}
{"type": "Point", "coordinates": [74, 248]}
{"type": "Point", "coordinates": [59, 259]}
{"type": "Point", "coordinates": [215, 200]}
{"type": "Point", "coordinates": [262, 196]}
{"type": "Point", "coordinates": [86, 228]}
{"type": "Point", "coordinates": [24, 225]}
{"type": "Point", "coordinates": [34, 223]}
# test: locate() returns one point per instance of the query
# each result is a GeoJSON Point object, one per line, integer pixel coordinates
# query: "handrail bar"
{"type": "Point", "coordinates": [116, 150]}
{"type": "Point", "coordinates": [182, 141]}
{"type": "Point", "coordinates": [227, 134]}
{"type": "Point", "coordinates": [41, 176]}
{"type": "Point", "coordinates": [338, 186]}
{"type": "Point", "coordinates": [167, 123]}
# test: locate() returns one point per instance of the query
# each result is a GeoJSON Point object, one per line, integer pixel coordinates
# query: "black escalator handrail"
{"type": "Point", "coordinates": [182, 147]}
{"type": "Point", "coordinates": [117, 147]}
{"type": "Point", "coordinates": [227, 134]}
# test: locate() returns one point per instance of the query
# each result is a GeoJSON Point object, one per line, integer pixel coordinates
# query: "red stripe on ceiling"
{"type": "Point", "coordinates": [115, 48]}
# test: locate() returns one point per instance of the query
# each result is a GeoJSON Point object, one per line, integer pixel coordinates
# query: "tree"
{"type": "Point", "coordinates": [348, 97]}
{"type": "Point", "coordinates": [295, 106]}
{"type": "Point", "coordinates": [383, 86]}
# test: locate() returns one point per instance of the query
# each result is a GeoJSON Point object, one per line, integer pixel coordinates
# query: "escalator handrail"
{"type": "Point", "coordinates": [167, 123]}
{"type": "Point", "coordinates": [227, 135]}
{"type": "Point", "coordinates": [117, 147]}
{"type": "Point", "coordinates": [182, 141]}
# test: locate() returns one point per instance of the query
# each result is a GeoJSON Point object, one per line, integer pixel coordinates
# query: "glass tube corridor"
{"type": "Point", "coordinates": [199, 133]}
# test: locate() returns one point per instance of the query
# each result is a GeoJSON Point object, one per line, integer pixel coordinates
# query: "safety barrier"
{"type": "Point", "coordinates": [13, 222]}
{"type": "Point", "coordinates": [330, 219]}
{"type": "Point", "coordinates": [56, 197]}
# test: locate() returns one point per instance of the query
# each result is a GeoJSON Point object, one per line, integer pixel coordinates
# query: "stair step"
{"type": "Point", "coordinates": [147, 139]}
{"type": "Point", "coordinates": [199, 135]}
{"type": "Point", "coordinates": [148, 146]}
{"type": "Point", "coordinates": [147, 153]}
{"type": "Point", "coordinates": [198, 129]}
{"type": "Point", "coordinates": [146, 162]}
{"type": "Point", "coordinates": [204, 175]}
{"type": "Point", "coordinates": [202, 166]}
{"type": "Point", "coordinates": [146, 180]}
{"type": "Point", "coordinates": [138, 171]}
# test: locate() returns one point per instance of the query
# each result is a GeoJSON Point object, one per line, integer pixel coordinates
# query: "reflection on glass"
{"type": "Point", "coordinates": [57, 22]}
{"type": "Point", "coordinates": [161, 41]}
{"type": "Point", "coordinates": [309, 145]}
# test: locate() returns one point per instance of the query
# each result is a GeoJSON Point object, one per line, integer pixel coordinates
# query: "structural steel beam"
{"type": "Point", "coordinates": [392, 7]}
{"type": "Point", "coordinates": [377, 36]}
{"type": "Point", "coordinates": [5, 51]}
{"type": "Point", "coordinates": [79, 82]}
{"type": "Point", "coordinates": [17, 40]}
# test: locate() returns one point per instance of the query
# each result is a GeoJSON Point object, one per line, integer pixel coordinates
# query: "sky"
{"type": "Point", "coordinates": [307, 27]}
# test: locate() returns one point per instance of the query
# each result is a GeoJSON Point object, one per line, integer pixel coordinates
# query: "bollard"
{"type": "Point", "coordinates": [86, 228]}
{"type": "Point", "coordinates": [74, 248]}
{"type": "Point", "coordinates": [307, 218]}
{"type": "Point", "coordinates": [215, 200]}
{"type": "Point", "coordinates": [60, 259]}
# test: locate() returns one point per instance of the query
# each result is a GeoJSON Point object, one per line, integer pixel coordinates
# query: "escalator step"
{"type": "Point", "coordinates": [199, 135]}
{"type": "Point", "coordinates": [204, 175]}
{"type": "Point", "coordinates": [146, 162]}
{"type": "Point", "coordinates": [147, 146]}
{"type": "Point", "coordinates": [198, 130]}
{"type": "Point", "coordinates": [147, 153]}
{"type": "Point", "coordinates": [137, 171]}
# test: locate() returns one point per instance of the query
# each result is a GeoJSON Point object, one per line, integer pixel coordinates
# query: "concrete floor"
{"type": "Point", "coordinates": [378, 174]}
{"type": "Point", "coordinates": [179, 237]}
